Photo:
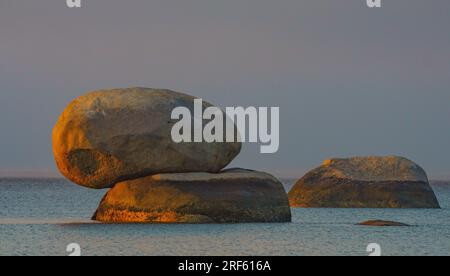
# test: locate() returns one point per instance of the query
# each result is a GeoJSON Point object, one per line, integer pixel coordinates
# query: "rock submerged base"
{"type": "Point", "coordinates": [234, 196]}
{"type": "Point", "coordinates": [344, 193]}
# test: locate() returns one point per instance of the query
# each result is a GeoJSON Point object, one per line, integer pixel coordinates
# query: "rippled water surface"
{"type": "Point", "coordinates": [41, 217]}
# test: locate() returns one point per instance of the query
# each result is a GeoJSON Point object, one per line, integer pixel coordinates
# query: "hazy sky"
{"type": "Point", "coordinates": [349, 80]}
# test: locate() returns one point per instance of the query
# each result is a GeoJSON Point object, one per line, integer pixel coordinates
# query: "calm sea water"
{"type": "Point", "coordinates": [41, 217]}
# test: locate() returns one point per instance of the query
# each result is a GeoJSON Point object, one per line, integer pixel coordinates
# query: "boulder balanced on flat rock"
{"type": "Point", "coordinates": [233, 196]}
{"type": "Point", "coordinates": [365, 182]}
{"type": "Point", "coordinates": [109, 136]}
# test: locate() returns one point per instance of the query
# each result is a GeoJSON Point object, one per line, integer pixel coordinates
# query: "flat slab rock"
{"type": "Point", "coordinates": [233, 196]}
{"type": "Point", "coordinates": [382, 223]}
{"type": "Point", "coordinates": [365, 182]}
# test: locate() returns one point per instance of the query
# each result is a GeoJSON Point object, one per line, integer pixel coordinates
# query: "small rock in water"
{"type": "Point", "coordinates": [382, 223]}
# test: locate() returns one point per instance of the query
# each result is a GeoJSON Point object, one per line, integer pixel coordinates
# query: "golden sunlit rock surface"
{"type": "Point", "coordinates": [365, 182]}
{"type": "Point", "coordinates": [233, 196]}
{"type": "Point", "coordinates": [109, 136]}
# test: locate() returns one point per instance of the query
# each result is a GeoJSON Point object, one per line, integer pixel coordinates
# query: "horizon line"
{"type": "Point", "coordinates": [51, 174]}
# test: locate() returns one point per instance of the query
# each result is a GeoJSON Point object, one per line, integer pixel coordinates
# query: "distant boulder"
{"type": "Point", "coordinates": [365, 182]}
{"type": "Point", "coordinates": [109, 136]}
{"type": "Point", "coordinates": [233, 196]}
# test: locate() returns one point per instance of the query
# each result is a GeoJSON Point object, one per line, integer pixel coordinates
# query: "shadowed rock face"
{"type": "Point", "coordinates": [109, 136]}
{"type": "Point", "coordinates": [365, 182]}
{"type": "Point", "coordinates": [234, 196]}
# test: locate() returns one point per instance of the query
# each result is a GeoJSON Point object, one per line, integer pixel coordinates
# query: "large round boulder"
{"type": "Point", "coordinates": [233, 196]}
{"type": "Point", "coordinates": [365, 182]}
{"type": "Point", "coordinates": [109, 136]}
